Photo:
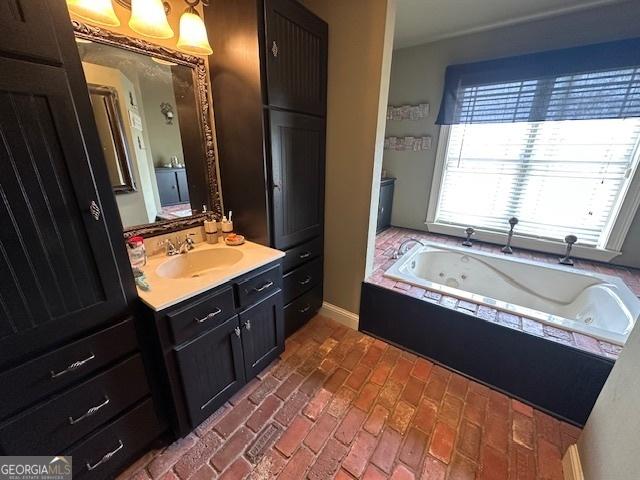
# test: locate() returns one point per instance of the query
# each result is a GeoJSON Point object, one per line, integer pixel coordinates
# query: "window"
{"type": "Point", "coordinates": [557, 177]}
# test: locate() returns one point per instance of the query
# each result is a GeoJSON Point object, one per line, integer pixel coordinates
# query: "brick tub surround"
{"type": "Point", "coordinates": [341, 404]}
{"type": "Point", "coordinates": [388, 242]}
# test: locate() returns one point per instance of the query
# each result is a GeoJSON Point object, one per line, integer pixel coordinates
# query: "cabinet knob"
{"type": "Point", "coordinates": [274, 49]}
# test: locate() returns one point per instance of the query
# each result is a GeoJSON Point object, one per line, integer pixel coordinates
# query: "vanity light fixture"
{"type": "Point", "coordinates": [193, 34]}
{"type": "Point", "coordinates": [148, 18]}
{"type": "Point", "coordinates": [96, 11]}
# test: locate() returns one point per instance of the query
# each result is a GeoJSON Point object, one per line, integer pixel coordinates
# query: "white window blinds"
{"type": "Point", "coordinates": [557, 177]}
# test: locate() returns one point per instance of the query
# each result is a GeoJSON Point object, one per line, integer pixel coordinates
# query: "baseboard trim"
{"type": "Point", "coordinates": [571, 464]}
{"type": "Point", "coordinates": [340, 315]}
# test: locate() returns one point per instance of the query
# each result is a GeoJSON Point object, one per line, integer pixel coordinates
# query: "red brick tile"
{"type": "Point", "coordinates": [380, 373]}
{"type": "Point", "coordinates": [293, 436]}
{"type": "Point", "coordinates": [336, 380]}
{"type": "Point", "coordinates": [231, 448]}
{"type": "Point", "coordinates": [401, 416]}
{"type": "Point", "coordinates": [547, 428]}
{"type": "Point", "coordinates": [522, 408]}
{"type": "Point", "coordinates": [413, 391]}
{"type": "Point", "coordinates": [236, 417]}
{"type": "Point", "coordinates": [414, 447]}
{"type": "Point", "coordinates": [469, 443]}
{"type": "Point", "coordinates": [475, 408]}
{"type": "Point", "coordinates": [376, 420]}
{"type": "Point", "coordinates": [462, 468]}
{"type": "Point", "coordinates": [358, 377]}
{"type": "Point", "coordinates": [289, 385]}
{"type": "Point", "coordinates": [263, 413]}
{"type": "Point", "coordinates": [340, 402]}
{"type": "Point", "coordinates": [350, 426]}
{"type": "Point", "coordinates": [494, 465]}
{"type": "Point", "coordinates": [522, 430]}
{"type": "Point", "coordinates": [402, 473]}
{"type": "Point", "coordinates": [320, 400]}
{"type": "Point", "coordinates": [390, 393]}
{"type": "Point", "coordinates": [425, 417]}
{"type": "Point", "coordinates": [402, 370]}
{"type": "Point", "coordinates": [372, 356]}
{"type": "Point", "coordinates": [498, 404]}
{"type": "Point", "coordinates": [297, 467]}
{"type": "Point", "coordinates": [372, 473]}
{"type": "Point", "coordinates": [436, 387]}
{"type": "Point", "coordinates": [458, 386]}
{"type": "Point", "coordinates": [199, 454]}
{"type": "Point", "coordinates": [264, 388]}
{"type": "Point", "coordinates": [358, 456]}
{"type": "Point", "coordinates": [367, 397]}
{"type": "Point", "coordinates": [163, 462]}
{"type": "Point", "coordinates": [290, 408]}
{"type": "Point", "coordinates": [434, 469]}
{"type": "Point", "coordinates": [321, 430]}
{"type": "Point", "coordinates": [202, 429]}
{"type": "Point", "coordinates": [244, 392]}
{"type": "Point", "coordinates": [353, 357]}
{"type": "Point", "coordinates": [451, 410]}
{"type": "Point", "coordinates": [422, 369]}
{"type": "Point", "coordinates": [328, 366]}
{"type": "Point", "coordinates": [388, 447]}
{"type": "Point", "coordinates": [328, 461]}
{"type": "Point", "coordinates": [238, 470]}
{"type": "Point", "coordinates": [204, 473]}
{"type": "Point", "coordinates": [312, 383]}
{"type": "Point", "coordinates": [441, 446]}
{"type": "Point", "coordinates": [342, 475]}
{"type": "Point", "coordinates": [549, 461]}
{"type": "Point", "coordinates": [497, 432]}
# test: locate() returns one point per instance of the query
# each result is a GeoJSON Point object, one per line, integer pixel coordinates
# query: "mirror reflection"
{"type": "Point", "coordinates": [146, 112]}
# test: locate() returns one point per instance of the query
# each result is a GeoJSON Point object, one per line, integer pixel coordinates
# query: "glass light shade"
{"type": "Point", "coordinates": [95, 11]}
{"type": "Point", "coordinates": [148, 18]}
{"type": "Point", "coordinates": [193, 34]}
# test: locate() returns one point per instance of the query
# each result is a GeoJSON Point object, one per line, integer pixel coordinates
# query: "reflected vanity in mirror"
{"type": "Point", "coordinates": [151, 110]}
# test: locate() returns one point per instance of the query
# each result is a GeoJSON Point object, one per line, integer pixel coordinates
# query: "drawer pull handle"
{"type": "Point", "coordinates": [305, 309]}
{"type": "Point", "coordinates": [73, 366]}
{"type": "Point", "coordinates": [237, 331]}
{"type": "Point", "coordinates": [305, 255]}
{"type": "Point", "coordinates": [90, 412]}
{"type": "Point", "coordinates": [209, 316]}
{"type": "Point", "coordinates": [305, 281]}
{"type": "Point", "coordinates": [247, 325]}
{"type": "Point", "coordinates": [107, 457]}
{"type": "Point", "coordinates": [269, 284]}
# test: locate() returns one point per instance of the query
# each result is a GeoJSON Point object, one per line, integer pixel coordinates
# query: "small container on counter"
{"type": "Point", "coordinates": [211, 229]}
{"type": "Point", "coordinates": [137, 252]}
{"type": "Point", "coordinates": [226, 225]}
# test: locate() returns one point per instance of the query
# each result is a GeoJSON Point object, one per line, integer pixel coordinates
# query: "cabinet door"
{"type": "Point", "coordinates": [167, 187]}
{"type": "Point", "coordinates": [211, 368]}
{"type": "Point", "coordinates": [296, 50]}
{"type": "Point", "coordinates": [58, 267]}
{"type": "Point", "coordinates": [183, 185]}
{"type": "Point", "coordinates": [297, 158]}
{"type": "Point", "coordinates": [27, 29]}
{"type": "Point", "coordinates": [262, 334]}
{"type": "Point", "coordinates": [385, 203]}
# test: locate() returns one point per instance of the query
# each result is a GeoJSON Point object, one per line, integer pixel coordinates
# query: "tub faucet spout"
{"type": "Point", "coordinates": [566, 260]}
{"type": "Point", "coordinates": [402, 249]}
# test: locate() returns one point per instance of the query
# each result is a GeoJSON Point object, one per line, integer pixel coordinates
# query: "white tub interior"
{"type": "Point", "coordinates": [599, 305]}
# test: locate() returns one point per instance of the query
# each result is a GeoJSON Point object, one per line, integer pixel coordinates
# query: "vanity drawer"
{"type": "Point", "coordinates": [302, 253]}
{"type": "Point", "coordinates": [302, 279]}
{"type": "Point", "coordinates": [300, 311]}
{"type": "Point", "coordinates": [259, 286]}
{"type": "Point", "coordinates": [105, 453]}
{"type": "Point", "coordinates": [56, 370]}
{"type": "Point", "coordinates": [54, 425]}
{"type": "Point", "coordinates": [202, 314]}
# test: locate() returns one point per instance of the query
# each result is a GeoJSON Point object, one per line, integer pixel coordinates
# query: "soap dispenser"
{"type": "Point", "coordinates": [211, 228]}
{"type": "Point", "coordinates": [226, 225]}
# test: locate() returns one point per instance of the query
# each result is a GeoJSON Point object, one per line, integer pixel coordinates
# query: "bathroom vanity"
{"type": "Point", "coordinates": [216, 316]}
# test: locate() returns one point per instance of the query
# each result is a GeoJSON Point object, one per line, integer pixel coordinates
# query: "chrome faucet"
{"type": "Point", "coordinates": [178, 246]}
{"type": "Point", "coordinates": [513, 221]}
{"type": "Point", "coordinates": [566, 260]}
{"type": "Point", "coordinates": [402, 249]}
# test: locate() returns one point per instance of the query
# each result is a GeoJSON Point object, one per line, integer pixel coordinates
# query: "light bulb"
{"type": "Point", "coordinates": [149, 18]}
{"type": "Point", "coordinates": [95, 11]}
{"type": "Point", "coordinates": [193, 34]}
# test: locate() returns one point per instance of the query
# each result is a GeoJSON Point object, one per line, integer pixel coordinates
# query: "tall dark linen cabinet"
{"type": "Point", "coordinates": [269, 81]}
{"type": "Point", "coordinates": [72, 373]}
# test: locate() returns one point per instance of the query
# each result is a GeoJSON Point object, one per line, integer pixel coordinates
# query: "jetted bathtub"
{"type": "Point", "coordinates": [598, 305]}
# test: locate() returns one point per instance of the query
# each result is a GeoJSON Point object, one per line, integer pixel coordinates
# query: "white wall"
{"type": "Point", "coordinates": [417, 75]}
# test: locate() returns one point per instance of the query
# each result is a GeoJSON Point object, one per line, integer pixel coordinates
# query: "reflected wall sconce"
{"type": "Point", "coordinates": [167, 110]}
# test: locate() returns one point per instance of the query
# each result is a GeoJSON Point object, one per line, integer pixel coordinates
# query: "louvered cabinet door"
{"type": "Point", "coordinates": [27, 29]}
{"type": "Point", "coordinates": [296, 52]}
{"type": "Point", "coordinates": [58, 273]}
{"type": "Point", "coordinates": [297, 164]}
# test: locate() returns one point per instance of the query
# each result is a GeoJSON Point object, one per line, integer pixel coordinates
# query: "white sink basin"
{"type": "Point", "coordinates": [199, 263]}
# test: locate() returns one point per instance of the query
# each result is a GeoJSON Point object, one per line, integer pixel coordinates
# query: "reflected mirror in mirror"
{"type": "Point", "coordinates": [146, 111]}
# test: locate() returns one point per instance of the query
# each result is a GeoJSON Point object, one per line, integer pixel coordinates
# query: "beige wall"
{"type": "Point", "coordinates": [417, 75]}
{"type": "Point", "coordinates": [357, 56]}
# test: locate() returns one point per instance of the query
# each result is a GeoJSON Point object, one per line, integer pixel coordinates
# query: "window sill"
{"type": "Point", "coordinates": [527, 243]}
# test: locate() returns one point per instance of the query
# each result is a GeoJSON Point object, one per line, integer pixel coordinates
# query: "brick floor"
{"type": "Point", "coordinates": [388, 242]}
{"type": "Point", "coordinates": [331, 420]}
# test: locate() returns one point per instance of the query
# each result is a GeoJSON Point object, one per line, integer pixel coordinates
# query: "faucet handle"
{"type": "Point", "coordinates": [571, 239]}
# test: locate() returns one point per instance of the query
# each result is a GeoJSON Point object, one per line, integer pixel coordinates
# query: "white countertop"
{"type": "Point", "coordinates": [166, 292]}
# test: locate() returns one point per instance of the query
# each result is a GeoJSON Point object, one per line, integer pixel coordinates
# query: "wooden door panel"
{"type": "Point", "coordinates": [26, 29]}
{"type": "Point", "coordinates": [59, 275]}
{"type": "Point", "coordinates": [297, 157]}
{"type": "Point", "coordinates": [296, 50]}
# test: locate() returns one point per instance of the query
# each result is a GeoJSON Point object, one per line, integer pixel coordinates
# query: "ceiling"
{"type": "Point", "coordinates": [423, 21]}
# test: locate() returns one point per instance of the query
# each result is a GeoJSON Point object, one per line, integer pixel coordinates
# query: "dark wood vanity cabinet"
{"type": "Point", "coordinates": [68, 342]}
{"type": "Point", "coordinates": [269, 93]}
{"type": "Point", "coordinates": [212, 344]}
